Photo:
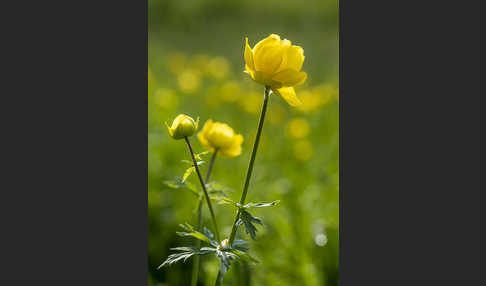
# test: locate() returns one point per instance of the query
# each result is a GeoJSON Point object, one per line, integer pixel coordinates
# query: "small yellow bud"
{"type": "Point", "coordinates": [221, 137]}
{"type": "Point", "coordinates": [182, 126]}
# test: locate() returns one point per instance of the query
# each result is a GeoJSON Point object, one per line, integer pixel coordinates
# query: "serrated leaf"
{"type": "Point", "coordinates": [261, 205]}
{"type": "Point", "coordinates": [223, 200]}
{"type": "Point", "coordinates": [186, 253]}
{"type": "Point", "coordinates": [175, 257]}
{"type": "Point", "coordinates": [243, 255]}
{"type": "Point", "coordinates": [247, 219]}
{"type": "Point", "coordinates": [210, 235]}
{"type": "Point", "coordinates": [205, 250]}
{"type": "Point", "coordinates": [241, 245]}
{"type": "Point", "coordinates": [188, 172]}
{"type": "Point", "coordinates": [189, 231]}
{"type": "Point", "coordinates": [185, 248]}
{"type": "Point", "coordinates": [224, 262]}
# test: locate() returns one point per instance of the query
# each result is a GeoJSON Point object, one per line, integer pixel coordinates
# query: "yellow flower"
{"type": "Point", "coordinates": [221, 137]}
{"type": "Point", "coordinates": [218, 67]}
{"type": "Point", "coordinates": [182, 126]}
{"type": "Point", "coordinates": [276, 63]}
{"type": "Point", "coordinates": [189, 81]}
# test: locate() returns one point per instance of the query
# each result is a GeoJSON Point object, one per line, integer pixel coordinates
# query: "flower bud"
{"type": "Point", "coordinates": [183, 126]}
{"type": "Point", "coordinates": [224, 245]}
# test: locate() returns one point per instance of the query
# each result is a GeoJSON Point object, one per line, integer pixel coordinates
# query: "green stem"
{"type": "Point", "coordinates": [252, 161]}
{"type": "Point", "coordinates": [203, 185]}
{"type": "Point", "coordinates": [195, 265]}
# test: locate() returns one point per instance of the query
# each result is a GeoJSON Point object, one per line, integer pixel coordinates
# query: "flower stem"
{"type": "Point", "coordinates": [203, 185]}
{"type": "Point", "coordinates": [252, 161]}
{"type": "Point", "coordinates": [195, 265]}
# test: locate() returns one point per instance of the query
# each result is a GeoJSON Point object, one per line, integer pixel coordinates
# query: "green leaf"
{"type": "Point", "coordinates": [192, 164]}
{"type": "Point", "coordinates": [188, 172]}
{"type": "Point", "coordinates": [241, 245]}
{"type": "Point", "coordinates": [189, 231]}
{"type": "Point", "coordinates": [224, 261]}
{"type": "Point", "coordinates": [198, 156]}
{"type": "Point", "coordinates": [210, 235]}
{"type": "Point", "coordinates": [215, 187]}
{"type": "Point", "coordinates": [184, 254]}
{"type": "Point", "coordinates": [243, 256]}
{"type": "Point", "coordinates": [175, 257]}
{"type": "Point", "coordinates": [261, 205]}
{"type": "Point", "coordinates": [177, 184]}
{"type": "Point", "coordinates": [247, 219]}
{"type": "Point", "coordinates": [223, 200]}
{"type": "Point", "coordinates": [205, 250]}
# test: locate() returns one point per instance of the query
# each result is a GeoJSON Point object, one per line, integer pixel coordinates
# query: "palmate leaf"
{"type": "Point", "coordinates": [247, 220]}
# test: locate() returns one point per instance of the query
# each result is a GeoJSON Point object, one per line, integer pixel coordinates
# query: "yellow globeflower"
{"type": "Point", "coordinates": [221, 137]}
{"type": "Point", "coordinates": [276, 63]}
{"type": "Point", "coordinates": [182, 126]}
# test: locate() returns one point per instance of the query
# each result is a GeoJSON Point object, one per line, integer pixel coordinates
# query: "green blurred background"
{"type": "Point", "coordinates": [196, 67]}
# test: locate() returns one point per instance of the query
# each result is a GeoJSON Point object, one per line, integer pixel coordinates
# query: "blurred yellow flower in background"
{"type": "Point", "coordinates": [166, 98]}
{"type": "Point", "coordinates": [218, 67]}
{"type": "Point", "coordinates": [303, 150]}
{"type": "Point", "coordinates": [317, 97]}
{"type": "Point", "coordinates": [182, 126]}
{"type": "Point", "coordinates": [220, 136]}
{"type": "Point", "coordinates": [230, 91]}
{"type": "Point", "coordinates": [189, 81]}
{"type": "Point", "coordinates": [276, 63]}
{"type": "Point", "coordinates": [298, 128]}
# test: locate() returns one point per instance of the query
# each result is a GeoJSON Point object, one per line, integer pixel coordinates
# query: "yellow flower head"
{"type": "Point", "coordinates": [182, 126]}
{"type": "Point", "coordinates": [221, 137]}
{"type": "Point", "coordinates": [276, 63]}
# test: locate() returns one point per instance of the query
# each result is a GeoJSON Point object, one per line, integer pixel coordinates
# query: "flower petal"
{"type": "Point", "coordinates": [273, 39]}
{"type": "Point", "coordinates": [268, 59]}
{"type": "Point", "coordinates": [293, 58]}
{"type": "Point", "coordinates": [290, 77]}
{"type": "Point", "coordinates": [235, 148]}
{"type": "Point", "coordinates": [203, 133]}
{"type": "Point", "coordinates": [288, 94]}
{"type": "Point", "coordinates": [249, 55]}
